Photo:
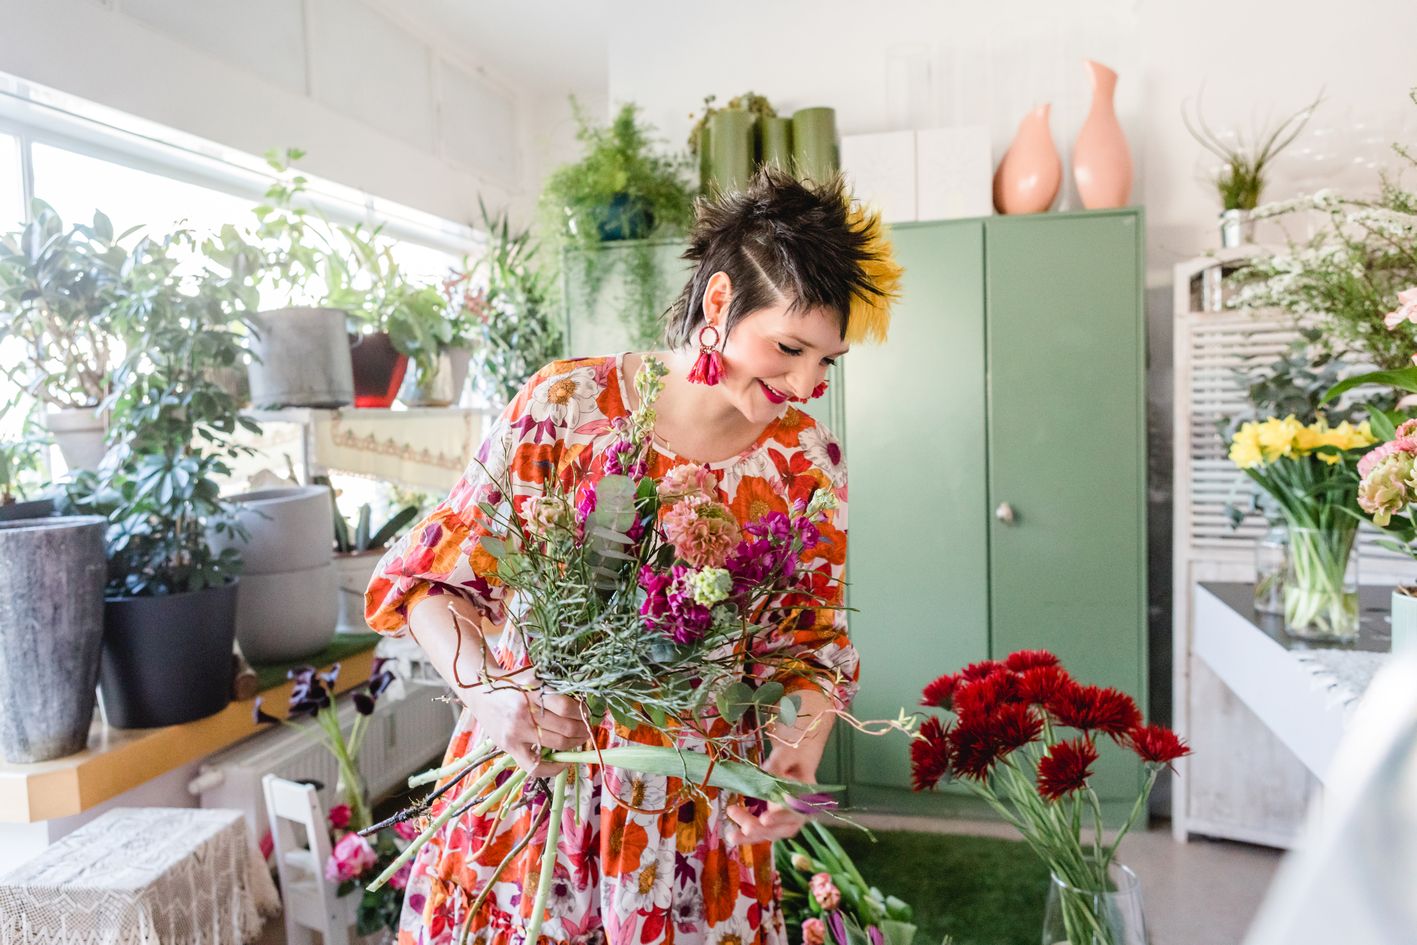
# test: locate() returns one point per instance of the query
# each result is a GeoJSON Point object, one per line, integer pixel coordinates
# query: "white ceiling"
{"type": "Point", "coordinates": [539, 45]}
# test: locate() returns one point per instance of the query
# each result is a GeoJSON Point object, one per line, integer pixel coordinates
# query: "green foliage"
{"type": "Point", "coordinates": [748, 102]}
{"type": "Point", "coordinates": [172, 428]}
{"type": "Point", "coordinates": [512, 326]}
{"type": "Point", "coordinates": [20, 458]}
{"type": "Point", "coordinates": [56, 286]}
{"type": "Point", "coordinates": [1242, 178]}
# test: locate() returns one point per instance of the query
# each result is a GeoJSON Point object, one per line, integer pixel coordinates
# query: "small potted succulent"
{"type": "Point", "coordinates": [55, 294]}
{"type": "Point", "coordinates": [358, 549]}
{"type": "Point", "coordinates": [170, 610]}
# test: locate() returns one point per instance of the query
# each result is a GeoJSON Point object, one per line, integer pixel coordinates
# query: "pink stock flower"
{"type": "Point", "coordinates": [1404, 441]}
{"type": "Point", "coordinates": [350, 858]}
{"type": "Point", "coordinates": [814, 931]}
{"type": "Point", "coordinates": [406, 830]}
{"type": "Point", "coordinates": [825, 891]}
{"type": "Point", "coordinates": [339, 816]}
{"type": "Point", "coordinates": [1406, 310]}
{"type": "Point", "coordinates": [702, 531]}
{"type": "Point", "coordinates": [687, 480]}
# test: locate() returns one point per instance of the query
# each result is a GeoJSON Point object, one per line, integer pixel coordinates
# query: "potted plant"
{"type": "Point", "coordinates": [357, 552]}
{"type": "Point", "coordinates": [170, 613]}
{"type": "Point", "coordinates": [620, 189]}
{"type": "Point", "coordinates": [20, 469]}
{"type": "Point", "coordinates": [55, 285]}
{"type": "Point", "coordinates": [300, 353]}
{"type": "Point", "coordinates": [512, 326]}
{"type": "Point", "coordinates": [1241, 178]}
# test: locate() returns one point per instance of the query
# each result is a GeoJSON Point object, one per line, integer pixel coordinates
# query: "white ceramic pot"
{"type": "Point", "coordinates": [1404, 623]}
{"type": "Point", "coordinates": [443, 387]}
{"type": "Point", "coordinates": [78, 431]}
{"type": "Point", "coordinates": [354, 571]}
{"type": "Point", "coordinates": [291, 529]}
{"type": "Point", "coordinates": [287, 616]}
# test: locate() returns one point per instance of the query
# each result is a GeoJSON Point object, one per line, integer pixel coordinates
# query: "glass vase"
{"type": "Point", "coordinates": [1086, 915]}
{"type": "Point", "coordinates": [1271, 565]}
{"type": "Point", "coordinates": [1321, 584]}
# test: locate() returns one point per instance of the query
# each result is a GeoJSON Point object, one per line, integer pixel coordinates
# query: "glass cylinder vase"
{"type": "Point", "coordinates": [1321, 584]}
{"type": "Point", "coordinates": [1087, 915]}
{"type": "Point", "coordinates": [1271, 566]}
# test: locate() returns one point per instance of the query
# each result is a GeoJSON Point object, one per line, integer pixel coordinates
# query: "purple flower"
{"type": "Point", "coordinates": [669, 607]}
{"type": "Point", "coordinates": [819, 803]}
{"type": "Point", "coordinates": [837, 926]}
{"type": "Point", "coordinates": [311, 691]}
{"type": "Point", "coordinates": [585, 506]}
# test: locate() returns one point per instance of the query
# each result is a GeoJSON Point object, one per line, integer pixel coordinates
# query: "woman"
{"type": "Point", "coordinates": [787, 276]}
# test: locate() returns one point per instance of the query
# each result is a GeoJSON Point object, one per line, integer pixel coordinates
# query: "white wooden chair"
{"type": "Point", "coordinates": [311, 904]}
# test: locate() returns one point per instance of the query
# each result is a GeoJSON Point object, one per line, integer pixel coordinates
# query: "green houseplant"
{"type": "Point", "coordinates": [55, 283]}
{"type": "Point", "coordinates": [619, 190]}
{"type": "Point", "coordinates": [510, 321]}
{"type": "Point", "coordinates": [170, 610]}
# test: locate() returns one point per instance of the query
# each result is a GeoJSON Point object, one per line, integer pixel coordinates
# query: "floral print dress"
{"type": "Point", "coordinates": [641, 859]}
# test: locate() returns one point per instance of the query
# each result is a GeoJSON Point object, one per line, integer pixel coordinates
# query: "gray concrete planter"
{"type": "Point", "coordinates": [301, 359]}
{"type": "Point", "coordinates": [354, 571]}
{"type": "Point", "coordinates": [291, 529]}
{"type": "Point", "coordinates": [287, 616]}
{"type": "Point", "coordinates": [442, 387]}
{"type": "Point", "coordinates": [52, 572]}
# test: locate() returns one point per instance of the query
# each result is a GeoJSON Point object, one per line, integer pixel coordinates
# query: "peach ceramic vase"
{"type": "Point", "coordinates": [1102, 163]}
{"type": "Point", "coordinates": [1027, 178]}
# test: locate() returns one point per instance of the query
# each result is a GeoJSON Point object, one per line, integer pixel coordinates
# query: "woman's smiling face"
{"type": "Point", "coordinates": [773, 356]}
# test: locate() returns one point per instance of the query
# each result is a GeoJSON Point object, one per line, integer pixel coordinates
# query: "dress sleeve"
{"type": "Point", "coordinates": [810, 647]}
{"type": "Point", "coordinates": [441, 554]}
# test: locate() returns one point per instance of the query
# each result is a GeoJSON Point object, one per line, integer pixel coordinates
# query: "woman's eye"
{"type": "Point", "coordinates": [786, 350]}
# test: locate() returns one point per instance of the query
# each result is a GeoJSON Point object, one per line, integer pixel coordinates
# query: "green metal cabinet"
{"type": "Point", "coordinates": [996, 447]}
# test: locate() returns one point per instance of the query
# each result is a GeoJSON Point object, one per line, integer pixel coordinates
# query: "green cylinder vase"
{"type": "Point", "coordinates": [815, 152]}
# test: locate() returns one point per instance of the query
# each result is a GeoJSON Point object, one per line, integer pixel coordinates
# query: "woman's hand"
{"type": "Point", "coordinates": [519, 716]}
{"type": "Point", "coordinates": [777, 822]}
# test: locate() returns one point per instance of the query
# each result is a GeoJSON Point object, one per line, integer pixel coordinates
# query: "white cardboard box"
{"type": "Point", "coordinates": [954, 173]}
{"type": "Point", "coordinates": [881, 171]}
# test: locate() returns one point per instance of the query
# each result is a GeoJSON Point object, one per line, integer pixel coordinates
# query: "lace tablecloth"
{"type": "Point", "coordinates": [142, 876]}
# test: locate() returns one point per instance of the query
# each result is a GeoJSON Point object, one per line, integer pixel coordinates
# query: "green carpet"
{"type": "Point", "coordinates": [343, 645]}
{"type": "Point", "coordinates": [980, 890]}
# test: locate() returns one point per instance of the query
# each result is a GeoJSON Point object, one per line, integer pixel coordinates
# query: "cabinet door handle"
{"type": "Point", "coordinates": [1005, 513]}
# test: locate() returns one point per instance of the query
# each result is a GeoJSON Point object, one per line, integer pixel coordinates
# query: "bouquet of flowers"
{"type": "Point", "coordinates": [645, 601]}
{"type": "Point", "coordinates": [1309, 471]}
{"type": "Point", "coordinates": [1005, 743]}
{"type": "Point", "coordinates": [356, 856]}
{"type": "Point", "coordinates": [825, 896]}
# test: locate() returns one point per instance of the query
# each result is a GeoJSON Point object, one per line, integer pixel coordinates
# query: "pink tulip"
{"type": "Point", "coordinates": [825, 891]}
{"type": "Point", "coordinates": [814, 932]}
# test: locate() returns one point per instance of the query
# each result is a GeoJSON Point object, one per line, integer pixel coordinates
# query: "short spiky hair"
{"type": "Point", "coordinates": [785, 239]}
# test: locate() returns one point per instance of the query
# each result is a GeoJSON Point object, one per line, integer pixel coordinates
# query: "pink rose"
{"type": "Point", "coordinates": [339, 816]}
{"type": "Point", "coordinates": [702, 531]}
{"type": "Point", "coordinates": [406, 830]}
{"type": "Point", "coordinates": [814, 932]}
{"type": "Point", "coordinates": [684, 481]}
{"type": "Point", "coordinates": [825, 891]}
{"type": "Point", "coordinates": [1406, 310]}
{"type": "Point", "coordinates": [350, 858]}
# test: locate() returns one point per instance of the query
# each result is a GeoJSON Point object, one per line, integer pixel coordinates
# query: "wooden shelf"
{"type": "Point", "coordinates": [118, 760]}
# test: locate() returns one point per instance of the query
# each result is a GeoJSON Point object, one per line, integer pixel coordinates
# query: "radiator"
{"type": "Point", "coordinates": [404, 735]}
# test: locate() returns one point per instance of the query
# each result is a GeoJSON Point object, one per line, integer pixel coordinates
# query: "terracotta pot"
{"type": "Point", "coordinates": [1030, 172]}
{"type": "Point", "coordinates": [1102, 163]}
{"type": "Point", "coordinates": [378, 369]}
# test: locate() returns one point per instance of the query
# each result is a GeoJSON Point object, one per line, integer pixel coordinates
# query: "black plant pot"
{"type": "Point", "coordinates": [626, 218]}
{"type": "Point", "coordinates": [167, 660]}
{"type": "Point", "coordinates": [27, 509]}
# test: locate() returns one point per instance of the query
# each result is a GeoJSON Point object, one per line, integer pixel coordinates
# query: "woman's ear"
{"type": "Point", "coordinates": [717, 294]}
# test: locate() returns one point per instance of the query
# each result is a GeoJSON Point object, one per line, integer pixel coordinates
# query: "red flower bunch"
{"type": "Point", "coordinates": [1003, 706]}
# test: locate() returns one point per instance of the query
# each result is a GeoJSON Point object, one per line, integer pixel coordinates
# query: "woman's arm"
{"type": "Point", "coordinates": [510, 709]}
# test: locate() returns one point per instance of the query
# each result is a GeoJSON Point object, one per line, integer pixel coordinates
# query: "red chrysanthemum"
{"type": "Point", "coordinates": [974, 748]}
{"type": "Point", "coordinates": [1041, 685]}
{"type": "Point", "coordinates": [1025, 660]}
{"type": "Point", "coordinates": [1093, 708]}
{"type": "Point", "coordinates": [1014, 725]}
{"type": "Point", "coordinates": [940, 692]}
{"type": "Point", "coordinates": [1066, 768]}
{"type": "Point", "coordinates": [1157, 744]}
{"type": "Point", "coordinates": [929, 755]}
{"type": "Point", "coordinates": [980, 670]}
{"type": "Point", "coordinates": [981, 697]}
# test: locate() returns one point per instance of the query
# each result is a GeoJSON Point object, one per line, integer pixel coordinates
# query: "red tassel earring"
{"type": "Point", "coordinates": [708, 368]}
{"type": "Point", "coordinates": [819, 390]}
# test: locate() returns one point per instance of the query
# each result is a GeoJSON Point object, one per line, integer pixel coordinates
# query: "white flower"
{"type": "Point", "coordinates": [825, 453]}
{"type": "Point", "coordinates": [649, 889]}
{"type": "Point", "coordinates": [732, 931]}
{"type": "Point", "coordinates": [710, 585]}
{"type": "Point", "coordinates": [564, 397]}
{"type": "Point", "coordinates": [636, 790]}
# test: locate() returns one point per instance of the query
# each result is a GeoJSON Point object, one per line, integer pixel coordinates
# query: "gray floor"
{"type": "Point", "coordinates": [1204, 892]}
{"type": "Point", "coordinates": [1199, 893]}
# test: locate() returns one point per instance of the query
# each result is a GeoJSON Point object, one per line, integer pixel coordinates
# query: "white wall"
{"type": "Point", "coordinates": [376, 103]}
{"type": "Point", "coordinates": [988, 63]}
